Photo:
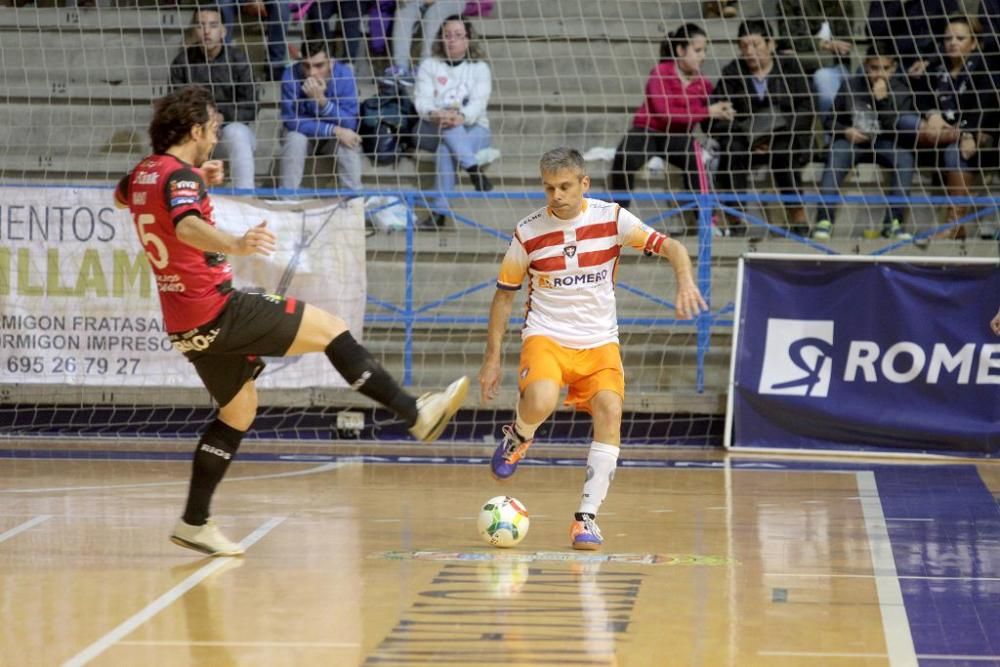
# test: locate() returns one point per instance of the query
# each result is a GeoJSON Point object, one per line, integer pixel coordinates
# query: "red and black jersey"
{"type": "Point", "coordinates": [194, 285]}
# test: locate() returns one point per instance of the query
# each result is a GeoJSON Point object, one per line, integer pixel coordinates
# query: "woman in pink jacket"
{"type": "Point", "coordinates": [676, 101]}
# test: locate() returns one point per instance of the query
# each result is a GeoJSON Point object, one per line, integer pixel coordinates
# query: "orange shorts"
{"type": "Point", "coordinates": [585, 371]}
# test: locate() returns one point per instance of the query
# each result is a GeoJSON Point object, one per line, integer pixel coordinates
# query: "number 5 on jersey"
{"type": "Point", "coordinates": [156, 250]}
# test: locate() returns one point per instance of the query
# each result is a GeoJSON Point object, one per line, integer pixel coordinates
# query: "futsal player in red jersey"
{"type": "Point", "coordinates": [225, 332]}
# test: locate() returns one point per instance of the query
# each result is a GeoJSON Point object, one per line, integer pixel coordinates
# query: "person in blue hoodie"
{"type": "Point", "coordinates": [319, 112]}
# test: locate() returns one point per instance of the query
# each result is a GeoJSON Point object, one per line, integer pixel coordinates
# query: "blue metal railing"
{"type": "Point", "coordinates": [410, 314]}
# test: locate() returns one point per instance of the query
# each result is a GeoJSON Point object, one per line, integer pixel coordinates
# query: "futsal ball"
{"type": "Point", "coordinates": [503, 521]}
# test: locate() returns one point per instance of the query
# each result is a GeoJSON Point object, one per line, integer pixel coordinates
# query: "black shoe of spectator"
{"type": "Point", "coordinates": [432, 223]}
{"type": "Point", "coordinates": [479, 180]}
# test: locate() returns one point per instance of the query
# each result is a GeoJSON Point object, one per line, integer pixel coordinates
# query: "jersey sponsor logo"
{"type": "Point", "coordinates": [184, 185]}
{"type": "Point", "coordinates": [147, 177]}
{"type": "Point", "coordinates": [170, 283]}
{"type": "Point", "coordinates": [138, 198]}
{"type": "Point", "coordinates": [576, 280]}
{"type": "Point", "coordinates": [181, 201]}
{"type": "Point", "coordinates": [194, 343]}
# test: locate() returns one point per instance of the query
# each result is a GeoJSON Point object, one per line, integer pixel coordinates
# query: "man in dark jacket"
{"type": "Point", "coordinates": [869, 116]}
{"type": "Point", "coordinates": [774, 118]}
{"type": "Point", "coordinates": [225, 71]}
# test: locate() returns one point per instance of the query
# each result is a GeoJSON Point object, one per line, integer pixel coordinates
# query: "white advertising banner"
{"type": "Point", "coordinates": [78, 304]}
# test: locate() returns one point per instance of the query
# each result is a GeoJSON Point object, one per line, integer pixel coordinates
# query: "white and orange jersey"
{"type": "Point", "coordinates": [571, 267]}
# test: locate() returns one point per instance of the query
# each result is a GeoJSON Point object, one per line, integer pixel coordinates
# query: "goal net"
{"type": "Point", "coordinates": [402, 235]}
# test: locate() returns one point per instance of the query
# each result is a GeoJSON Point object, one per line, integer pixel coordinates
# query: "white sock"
{"type": "Point", "coordinates": [523, 428]}
{"type": "Point", "coordinates": [601, 464]}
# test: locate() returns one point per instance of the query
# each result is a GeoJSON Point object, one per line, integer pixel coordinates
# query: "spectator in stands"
{"type": "Point", "coordinates": [224, 70]}
{"type": "Point", "coordinates": [867, 128]}
{"type": "Point", "coordinates": [451, 93]}
{"type": "Point", "coordinates": [676, 101]}
{"type": "Point", "coordinates": [818, 33]}
{"type": "Point", "coordinates": [274, 16]}
{"type": "Point", "coordinates": [773, 122]}
{"type": "Point", "coordinates": [319, 111]}
{"type": "Point", "coordinates": [960, 108]}
{"type": "Point", "coordinates": [713, 9]}
{"type": "Point", "coordinates": [431, 14]}
{"type": "Point", "coordinates": [912, 29]}
{"type": "Point", "coordinates": [351, 13]}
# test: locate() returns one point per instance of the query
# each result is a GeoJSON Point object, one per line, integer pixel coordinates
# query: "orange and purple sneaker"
{"type": "Point", "coordinates": [507, 454]}
{"type": "Point", "coordinates": [585, 534]}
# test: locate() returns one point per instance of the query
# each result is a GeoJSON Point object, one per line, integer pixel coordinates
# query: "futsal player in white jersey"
{"type": "Point", "coordinates": [569, 253]}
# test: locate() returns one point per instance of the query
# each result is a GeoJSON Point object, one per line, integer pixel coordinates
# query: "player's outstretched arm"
{"type": "Point", "coordinates": [490, 373]}
{"type": "Point", "coordinates": [689, 301]}
{"type": "Point", "coordinates": [196, 232]}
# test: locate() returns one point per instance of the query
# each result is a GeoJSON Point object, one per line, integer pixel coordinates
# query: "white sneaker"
{"type": "Point", "coordinates": [487, 156]}
{"type": "Point", "coordinates": [436, 409]}
{"type": "Point", "coordinates": [207, 539]}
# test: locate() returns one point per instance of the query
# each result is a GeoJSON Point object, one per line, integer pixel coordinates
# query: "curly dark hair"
{"type": "Point", "coordinates": [438, 50]}
{"type": "Point", "coordinates": [175, 114]}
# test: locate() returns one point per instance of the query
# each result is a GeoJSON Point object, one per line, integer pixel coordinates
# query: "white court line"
{"type": "Point", "coordinates": [165, 600]}
{"type": "Point", "coordinates": [895, 625]}
{"type": "Point", "coordinates": [970, 658]}
{"type": "Point", "coordinates": [188, 642]}
{"type": "Point", "coordinates": [872, 576]}
{"type": "Point", "coordinates": [27, 525]}
{"type": "Point", "coordinates": [922, 656]}
{"type": "Point", "coordinates": [819, 654]}
{"type": "Point", "coordinates": [294, 473]}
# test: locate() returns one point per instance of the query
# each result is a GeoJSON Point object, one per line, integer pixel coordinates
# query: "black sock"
{"type": "Point", "coordinates": [359, 368]}
{"type": "Point", "coordinates": [215, 451]}
{"type": "Point", "coordinates": [580, 515]}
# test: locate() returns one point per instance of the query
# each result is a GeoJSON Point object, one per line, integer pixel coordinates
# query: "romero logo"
{"type": "Point", "coordinates": [798, 358]}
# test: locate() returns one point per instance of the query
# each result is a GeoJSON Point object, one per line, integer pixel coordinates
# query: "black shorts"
{"type": "Point", "coordinates": [227, 351]}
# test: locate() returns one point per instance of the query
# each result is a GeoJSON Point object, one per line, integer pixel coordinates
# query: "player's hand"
{"type": "Point", "coordinates": [315, 88]}
{"type": "Point", "coordinates": [489, 381]}
{"type": "Point", "coordinates": [836, 46]}
{"type": "Point", "coordinates": [918, 68]}
{"type": "Point", "coordinates": [349, 138]}
{"type": "Point", "coordinates": [689, 301]}
{"type": "Point", "coordinates": [968, 146]}
{"type": "Point", "coordinates": [995, 324]}
{"type": "Point", "coordinates": [722, 111]}
{"type": "Point", "coordinates": [258, 240]}
{"type": "Point", "coordinates": [856, 136]}
{"type": "Point", "coordinates": [880, 89]}
{"type": "Point", "coordinates": [214, 172]}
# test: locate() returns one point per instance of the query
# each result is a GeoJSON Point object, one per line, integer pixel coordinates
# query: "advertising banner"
{"type": "Point", "coordinates": [78, 304]}
{"type": "Point", "coordinates": [840, 354]}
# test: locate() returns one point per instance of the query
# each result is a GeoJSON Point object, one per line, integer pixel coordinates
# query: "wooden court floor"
{"type": "Point", "coordinates": [374, 560]}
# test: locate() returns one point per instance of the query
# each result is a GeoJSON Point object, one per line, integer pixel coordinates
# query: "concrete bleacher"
{"type": "Point", "coordinates": [78, 86]}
